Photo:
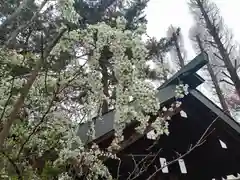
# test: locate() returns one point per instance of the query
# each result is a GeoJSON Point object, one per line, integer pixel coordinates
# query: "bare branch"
{"type": "Point", "coordinates": [225, 74]}
{"type": "Point", "coordinates": [143, 168]}
{"type": "Point", "coordinates": [118, 170]}
{"type": "Point", "coordinates": [215, 54]}
{"type": "Point", "coordinates": [230, 50]}
{"type": "Point", "coordinates": [14, 165]}
{"type": "Point", "coordinates": [199, 143]}
{"type": "Point", "coordinates": [216, 65]}
{"type": "Point", "coordinates": [35, 129]}
{"type": "Point", "coordinates": [236, 64]}
{"type": "Point", "coordinates": [211, 43]}
{"type": "Point", "coordinates": [224, 80]}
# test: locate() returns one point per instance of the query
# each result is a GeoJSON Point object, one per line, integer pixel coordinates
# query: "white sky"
{"type": "Point", "coordinates": [162, 13]}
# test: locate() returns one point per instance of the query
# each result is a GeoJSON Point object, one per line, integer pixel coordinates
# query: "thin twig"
{"type": "Point", "coordinates": [145, 168]}
{"type": "Point", "coordinates": [26, 88]}
{"type": "Point", "coordinates": [137, 165]}
{"type": "Point", "coordinates": [224, 80]}
{"type": "Point", "coordinates": [199, 143]}
{"type": "Point", "coordinates": [118, 170]}
{"type": "Point", "coordinates": [35, 129]}
{"type": "Point", "coordinates": [14, 165]}
{"type": "Point", "coordinates": [215, 54]}
{"type": "Point", "coordinates": [225, 74]}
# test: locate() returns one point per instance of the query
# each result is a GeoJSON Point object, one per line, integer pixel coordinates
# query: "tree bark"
{"type": "Point", "coordinates": [105, 87]}
{"type": "Point", "coordinates": [218, 90]}
{"type": "Point", "coordinates": [215, 81]}
{"type": "Point", "coordinates": [222, 50]}
{"type": "Point", "coordinates": [160, 57]}
{"type": "Point", "coordinates": [20, 101]}
{"type": "Point", "coordinates": [179, 55]}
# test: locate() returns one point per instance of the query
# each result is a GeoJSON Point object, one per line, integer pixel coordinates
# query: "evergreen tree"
{"type": "Point", "coordinates": [206, 13]}
{"type": "Point", "coordinates": [178, 52]}
{"type": "Point", "coordinates": [199, 37]}
{"type": "Point", "coordinates": [157, 53]}
{"type": "Point", "coordinates": [173, 44]}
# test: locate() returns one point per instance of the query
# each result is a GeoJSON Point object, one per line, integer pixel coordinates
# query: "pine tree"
{"type": "Point", "coordinates": [157, 53]}
{"type": "Point", "coordinates": [207, 14]}
{"type": "Point", "coordinates": [199, 38]}
{"type": "Point", "coordinates": [178, 52]}
{"type": "Point", "coordinates": [172, 44]}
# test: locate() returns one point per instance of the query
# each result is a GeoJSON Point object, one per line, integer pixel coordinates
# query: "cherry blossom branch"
{"type": "Point", "coordinates": [24, 26]}
{"type": "Point", "coordinates": [143, 168]}
{"type": "Point", "coordinates": [26, 88]}
{"type": "Point", "coordinates": [14, 165]}
{"type": "Point", "coordinates": [9, 97]}
{"type": "Point", "coordinates": [35, 129]}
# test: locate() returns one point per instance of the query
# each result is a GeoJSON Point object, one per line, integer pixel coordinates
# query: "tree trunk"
{"type": "Point", "coordinates": [218, 90]}
{"type": "Point", "coordinates": [105, 77]}
{"type": "Point", "coordinates": [179, 55]}
{"type": "Point", "coordinates": [222, 50]}
{"type": "Point", "coordinates": [20, 101]}
{"type": "Point", "coordinates": [105, 87]}
{"type": "Point", "coordinates": [215, 81]}
{"type": "Point", "coordinates": [159, 56]}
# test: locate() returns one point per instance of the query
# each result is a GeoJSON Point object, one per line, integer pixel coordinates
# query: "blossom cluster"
{"type": "Point", "coordinates": [59, 97]}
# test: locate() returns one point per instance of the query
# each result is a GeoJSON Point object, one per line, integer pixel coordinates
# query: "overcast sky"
{"type": "Point", "coordinates": [162, 13]}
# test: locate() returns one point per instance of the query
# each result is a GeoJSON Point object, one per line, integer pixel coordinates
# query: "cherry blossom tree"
{"type": "Point", "coordinates": [59, 69]}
